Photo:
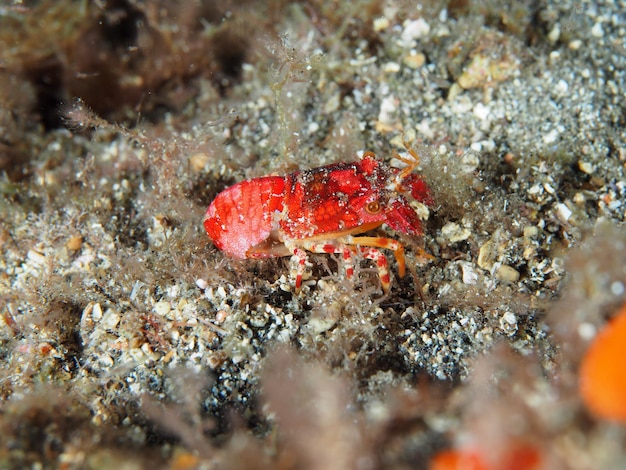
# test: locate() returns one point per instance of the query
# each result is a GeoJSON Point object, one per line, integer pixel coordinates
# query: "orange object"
{"type": "Point", "coordinates": [457, 460]}
{"type": "Point", "coordinates": [516, 456]}
{"type": "Point", "coordinates": [602, 383]}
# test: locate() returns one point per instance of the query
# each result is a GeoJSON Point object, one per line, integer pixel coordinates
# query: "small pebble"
{"type": "Point", "coordinates": [415, 29]}
{"type": "Point", "coordinates": [414, 60]}
{"type": "Point", "coordinates": [454, 232]}
{"type": "Point", "coordinates": [617, 288]}
{"type": "Point", "coordinates": [470, 277]}
{"type": "Point", "coordinates": [96, 312]}
{"type": "Point", "coordinates": [508, 323]}
{"type": "Point", "coordinates": [110, 319]}
{"type": "Point", "coordinates": [507, 273]}
{"type": "Point", "coordinates": [199, 161]}
{"type": "Point", "coordinates": [380, 24]}
{"type": "Point", "coordinates": [481, 111]}
{"type": "Point", "coordinates": [554, 34]}
{"type": "Point", "coordinates": [74, 243]}
{"type": "Point", "coordinates": [597, 31]}
{"type": "Point", "coordinates": [391, 67]}
{"type": "Point", "coordinates": [575, 44]}
{"type": "Point", "coordinates": [487, 256]}
{"type": "Point", "coordinates": [162, 308]}
{"type": "Point", "coordinates": [531, 231]}
{"type": "Point", "coordinates": [563, 212]}
{"type": "Point", "coordinates": [551, 137]}
{"type": "Point", "coordinates": [585, 167]}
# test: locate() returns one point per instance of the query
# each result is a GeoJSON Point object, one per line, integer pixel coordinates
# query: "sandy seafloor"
{"type": "Point", "coordinates": [128, 341]}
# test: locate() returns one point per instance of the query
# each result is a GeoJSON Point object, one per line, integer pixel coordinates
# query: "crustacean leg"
{"type": "Point", "coordinates": [412, 162]}
{"type": "Point", "coordinates": [345, 246]}
{"type": "Point", "coordinates": [379, 242]}
{"type": "Point", "coordinates": [318, 247]}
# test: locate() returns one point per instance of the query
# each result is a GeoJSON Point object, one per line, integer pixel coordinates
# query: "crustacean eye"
{"type": "Point", "coordinates": [373, 207]}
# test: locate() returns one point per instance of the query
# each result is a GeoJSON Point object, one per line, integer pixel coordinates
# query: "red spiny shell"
{"type": "Point", "coordinates": [418, 188]}
{"type": "Point", "coordinates": [242, 216]}
{"type": "Point", "coordinates": [257, 217]}
{"type": "Point", "coordinates": [333, 198]}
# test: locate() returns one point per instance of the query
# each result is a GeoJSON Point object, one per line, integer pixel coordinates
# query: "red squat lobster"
{"type": "Point", "coordinates": [320, 210]}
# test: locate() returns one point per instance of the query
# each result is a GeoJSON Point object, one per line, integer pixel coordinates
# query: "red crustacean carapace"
{"type": "Point", "coordinates": [320, 210]}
